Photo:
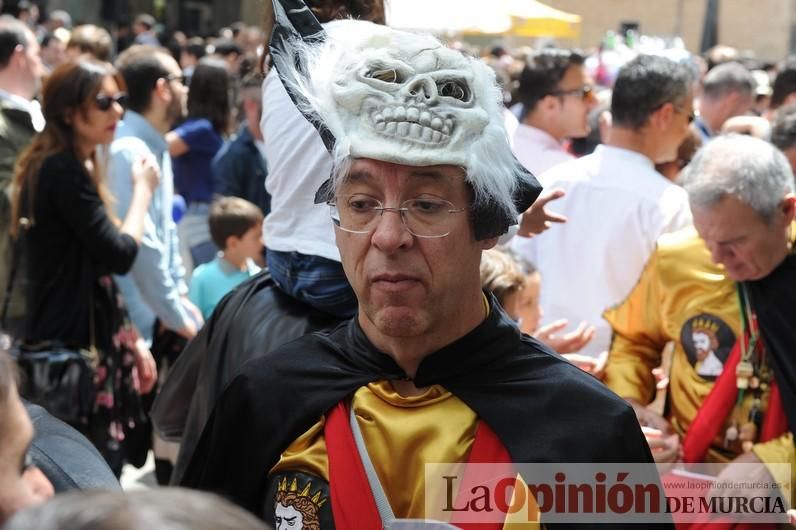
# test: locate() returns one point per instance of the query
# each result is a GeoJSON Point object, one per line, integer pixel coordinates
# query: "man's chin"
{"type": "Point", "coordinates": [398, 321]}
{"type": "Point", "coordinates": [742, 275]}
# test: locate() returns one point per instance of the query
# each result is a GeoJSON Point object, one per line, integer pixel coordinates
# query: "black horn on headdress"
{"type": "Point", "coordinates": [295, 23]}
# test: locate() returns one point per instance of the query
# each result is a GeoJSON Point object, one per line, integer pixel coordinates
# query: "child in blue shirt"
{"type": "Point", "coordinates": [236, 227]}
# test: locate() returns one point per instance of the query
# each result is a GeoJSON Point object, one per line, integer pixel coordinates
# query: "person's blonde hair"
{"type": "Point", "coordinates": [500, 274]}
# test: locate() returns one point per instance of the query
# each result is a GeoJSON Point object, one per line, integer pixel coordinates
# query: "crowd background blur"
{"type": "Point", "coordinates": [191, 134]}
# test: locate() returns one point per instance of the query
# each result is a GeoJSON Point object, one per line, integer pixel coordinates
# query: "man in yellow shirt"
{"type": "Point", "coordinates": [682, 298]}
{"type": "Point", "coordinates": [723, 293]}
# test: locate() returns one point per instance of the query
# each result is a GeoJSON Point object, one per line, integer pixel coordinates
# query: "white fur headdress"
{"type": "Point", "coordinates": [374, 92]}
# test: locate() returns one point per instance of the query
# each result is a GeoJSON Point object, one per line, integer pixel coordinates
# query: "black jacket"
{"type": "Point", "coordinates": [71, 244]}
{"type": "Point", "coordinates": [249, 322]}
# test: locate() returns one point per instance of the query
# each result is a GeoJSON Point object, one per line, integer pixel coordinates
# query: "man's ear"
{"type": "Point", "coordinates": [788, 207]}
{"type": "Point", "coordinates": [551, 103]}
{"type": "Point", "coordinates": [19, 53]}
{"type": "Point", "coordinates": [231, 242]}
{"type": "Point", "coordinates": [661, 118]}
{"type": "Point", "coordinates": [162, 89]}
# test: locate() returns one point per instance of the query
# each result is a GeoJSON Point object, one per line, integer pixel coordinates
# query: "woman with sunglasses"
{"type": "Point", "coordinates": [73, 244]}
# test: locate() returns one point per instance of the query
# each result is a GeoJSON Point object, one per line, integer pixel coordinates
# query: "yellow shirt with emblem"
{"type": "Point", "coordinates": [681, 297]}
{"type": "Point", "coordinates": [402, 434]}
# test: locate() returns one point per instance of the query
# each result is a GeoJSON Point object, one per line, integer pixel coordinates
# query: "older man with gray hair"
{"type": "Point", "coordinates": [742, 194]}
{"type": "Point", "coordinates": [728, 90]}
{"type": "Point", "coordinates": [741, 191]}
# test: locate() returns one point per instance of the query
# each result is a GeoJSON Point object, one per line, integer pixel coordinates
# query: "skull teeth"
{"type": "Point", "coordinates": [412, 123]}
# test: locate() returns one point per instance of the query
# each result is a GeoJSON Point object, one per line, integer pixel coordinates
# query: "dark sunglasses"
{"type": "Point", "coordinates": [104, 102]}
{"type": "Point", "coordinates": [584, 92]}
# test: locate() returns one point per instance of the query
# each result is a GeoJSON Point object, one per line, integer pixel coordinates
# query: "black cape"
{"type": "Point", "coordinates": [774, 300]}
{"type": "Point", "coordinates": [249, 322]}
{"type": "Point", "coordinates": [542, 408]}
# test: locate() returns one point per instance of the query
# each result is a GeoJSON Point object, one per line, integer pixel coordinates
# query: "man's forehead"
{"type": "Point", "coordinates": [372, 171]}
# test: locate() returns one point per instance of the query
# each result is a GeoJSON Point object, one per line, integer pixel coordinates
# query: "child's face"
{"type": "Point", "coordinates": [250, 244]}
{"type": "Point", "coordinates": [529, 309]}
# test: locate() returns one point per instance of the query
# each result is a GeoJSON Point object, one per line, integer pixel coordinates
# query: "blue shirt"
{"type": "Point", "coordinates": [193, 176]}
{"type": "Point", "coordinates": [154, 287]}
{"type": "Point", "coordinates": [211, 281]}
{"type": "Point", "coordinates": [240, 169]}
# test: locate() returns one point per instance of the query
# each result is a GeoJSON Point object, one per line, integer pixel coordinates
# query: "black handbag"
{"type": "Point", "coordinates": [53, 376]}
{"type": "Point", "coordinates": [59, 379]}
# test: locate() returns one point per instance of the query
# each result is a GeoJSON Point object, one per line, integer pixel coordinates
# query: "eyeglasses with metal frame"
{"type": "Point", "coordinates": [424, 217]}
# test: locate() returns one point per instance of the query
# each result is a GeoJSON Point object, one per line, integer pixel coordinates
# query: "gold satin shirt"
{"type": "Point", "coordinates": [402, 434]}
{"type": "Point", "coordinates": [684, 298]}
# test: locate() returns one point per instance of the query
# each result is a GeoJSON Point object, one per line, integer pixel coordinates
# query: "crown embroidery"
{"type": "Point", "coordinates": [317, 499]}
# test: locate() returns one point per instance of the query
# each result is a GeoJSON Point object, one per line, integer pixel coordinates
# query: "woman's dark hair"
{"type": "Point", "coordinates": [71, 88]}
{"type": "Point", "coordinates": [209, 93]}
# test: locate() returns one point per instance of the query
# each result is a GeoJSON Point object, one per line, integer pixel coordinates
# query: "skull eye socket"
{"type": "Point", "coordinates": [385, 75]}
{"type": "Point", "coordinates": [454, 89]}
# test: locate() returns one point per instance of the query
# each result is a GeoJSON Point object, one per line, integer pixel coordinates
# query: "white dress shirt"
{"type": "Point", "coordinates": [32, 107]}
{"type": "Point", "coordinates": [537, 150]}
{"type": "Point", "coordinates": [617, 206]}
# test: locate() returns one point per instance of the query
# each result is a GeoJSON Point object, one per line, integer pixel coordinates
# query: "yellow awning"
{"type": "Point", "coordinates": [535, 19]}
{"type": "Point", "coordinates": [525, 18]}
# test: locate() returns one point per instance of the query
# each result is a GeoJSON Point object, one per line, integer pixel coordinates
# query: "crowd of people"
{"type": "Point", "coordinates": [299, 262]}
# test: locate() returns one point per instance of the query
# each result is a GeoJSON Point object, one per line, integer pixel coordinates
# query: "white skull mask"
{"type": "Point", "coordinates": [414, 102]}
{"type": "Point", "coordinates": [378, 93]}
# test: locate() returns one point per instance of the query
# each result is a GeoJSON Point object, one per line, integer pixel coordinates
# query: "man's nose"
{"type": "Point", "coordinates": [391, 233]}
{"type": "Point", "coordinates": [718, 253]}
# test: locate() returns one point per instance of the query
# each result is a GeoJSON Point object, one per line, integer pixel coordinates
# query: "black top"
{"type": "Point", "coordinates": [71, 244]}
{"type": "Point", "coordinates": [542, 407]}
{"type": "Point", "coordinates": [773, 299]}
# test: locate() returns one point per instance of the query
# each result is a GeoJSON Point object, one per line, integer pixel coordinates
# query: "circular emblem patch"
{"type": "Point", "coordinates": [707, 341]}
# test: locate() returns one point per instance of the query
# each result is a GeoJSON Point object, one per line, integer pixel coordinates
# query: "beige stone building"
{"type": "Point", "coordinates": [765, 27]}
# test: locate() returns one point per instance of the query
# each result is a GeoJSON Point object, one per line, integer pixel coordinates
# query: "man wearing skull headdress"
{"type": "Point", "coordinates": [430, 369]}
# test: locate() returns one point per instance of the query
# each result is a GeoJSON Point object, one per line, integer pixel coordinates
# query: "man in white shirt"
{"type": "Point", "coordinates": [556, 95]}
{"type": "Point", "coordinates": [616, 204]}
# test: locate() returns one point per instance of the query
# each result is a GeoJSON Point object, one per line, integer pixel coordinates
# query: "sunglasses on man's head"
{"type": "Point", "coordinates": [104, 102]}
